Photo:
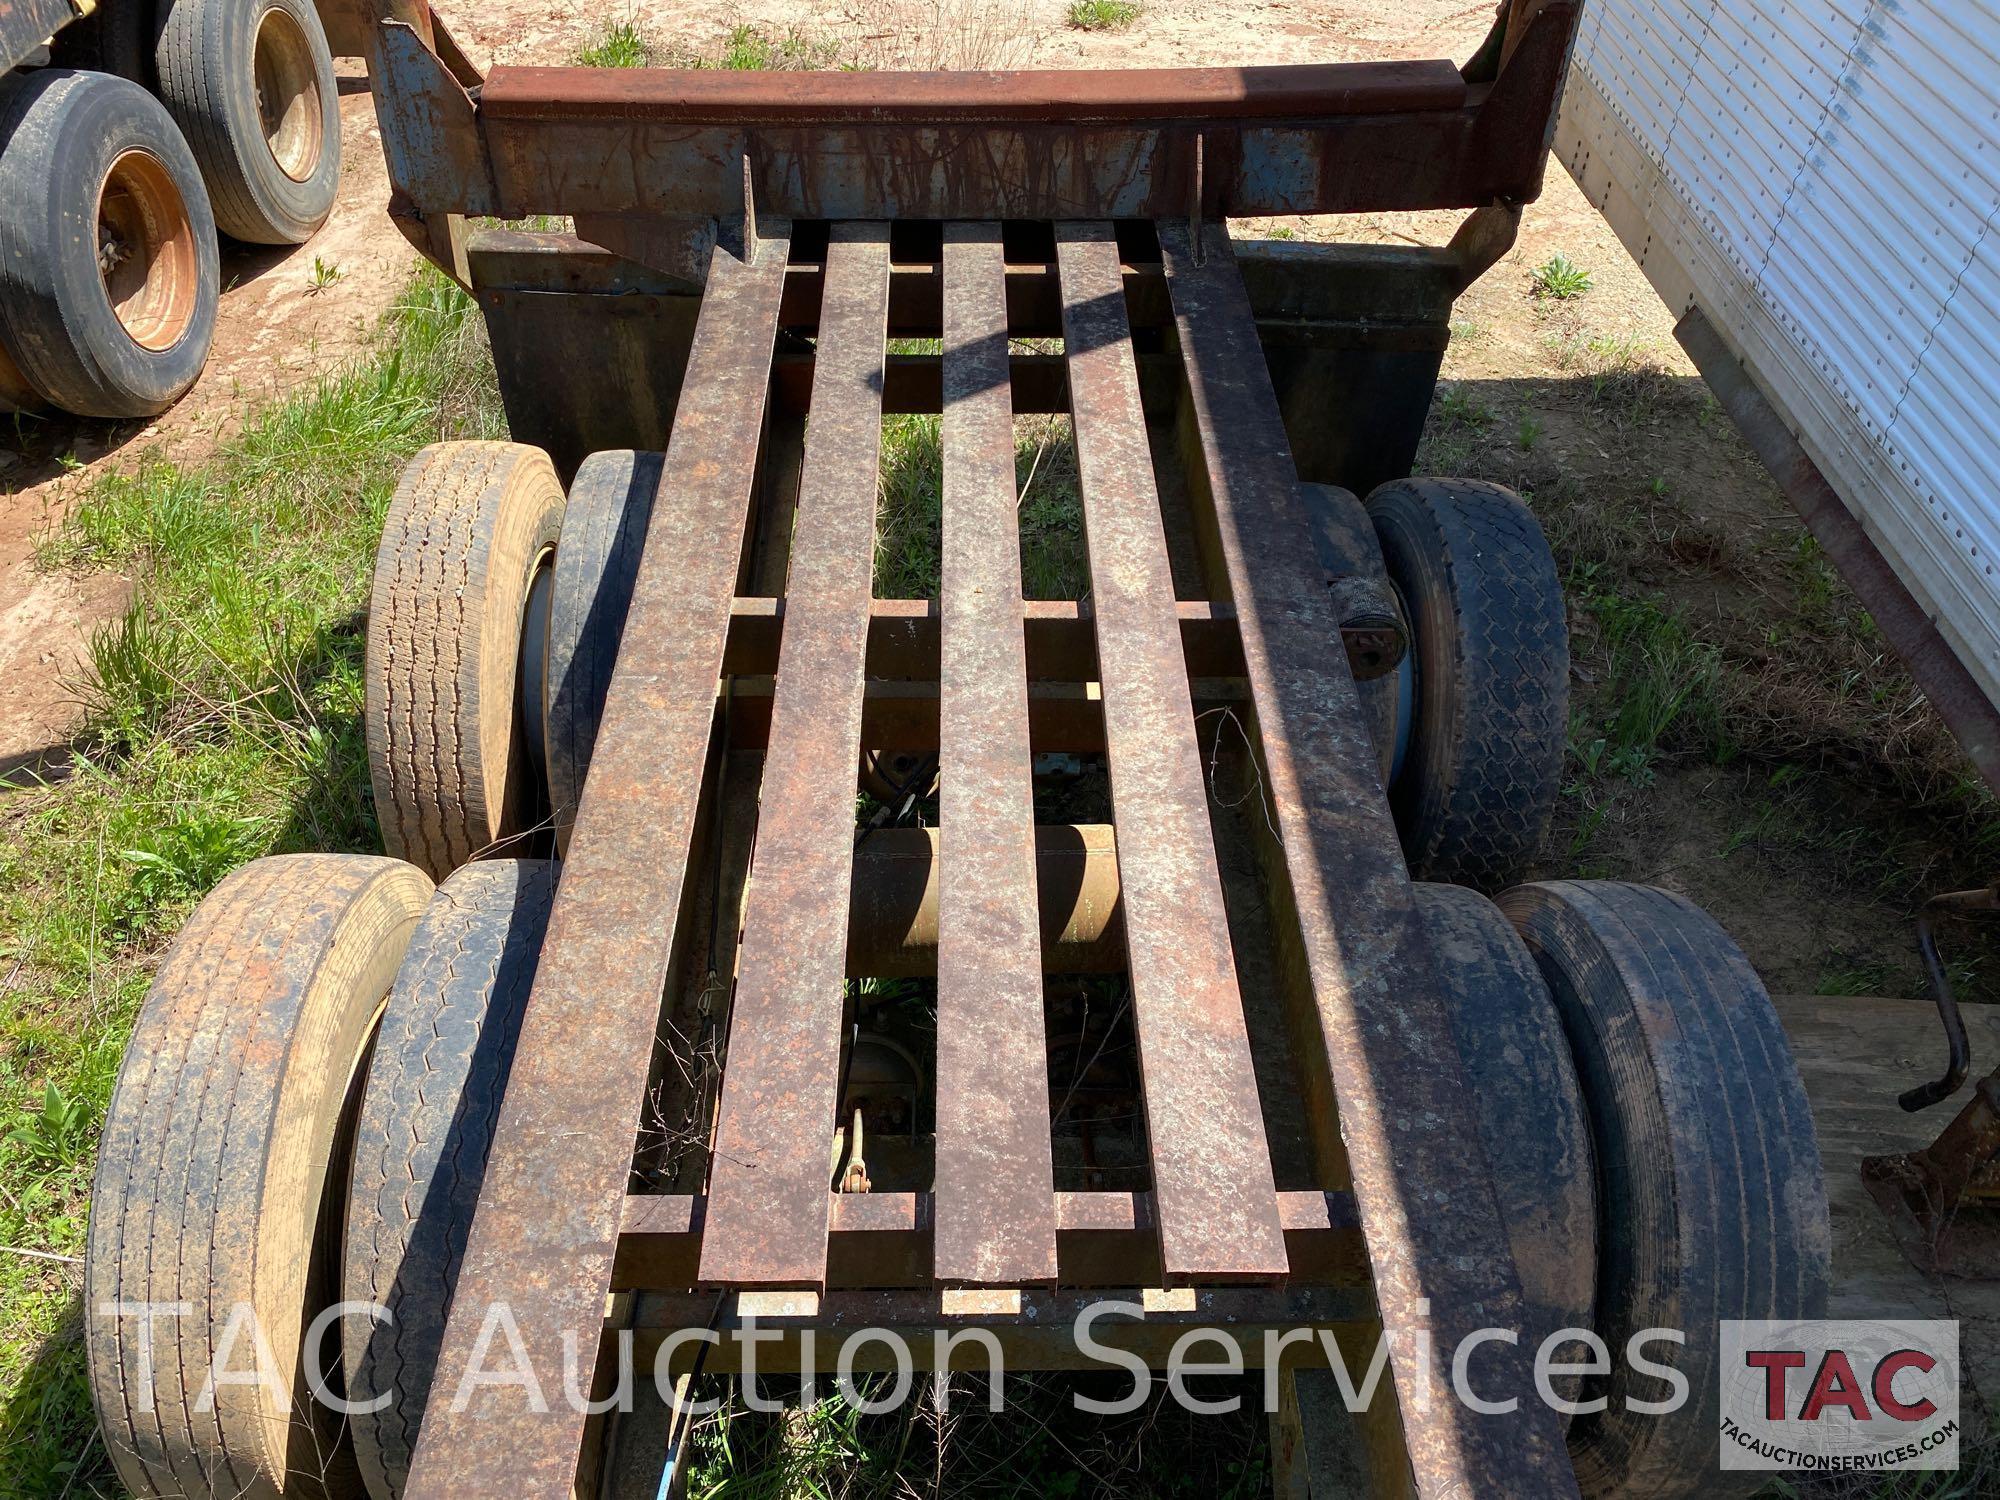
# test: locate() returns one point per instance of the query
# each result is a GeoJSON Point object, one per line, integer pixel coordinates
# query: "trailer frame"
{"type": "Point", "coordinates": [744, 247]}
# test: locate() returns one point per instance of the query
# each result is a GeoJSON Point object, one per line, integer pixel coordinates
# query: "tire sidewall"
{"type": "Point", "coordinates": [60, 326]}
{"type": "Point", "coordinates": [604, 531]}
{"type": "Point", "coordinates": [1426, 592]}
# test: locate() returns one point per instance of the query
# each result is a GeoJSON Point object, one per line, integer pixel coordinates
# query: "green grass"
{"type": "Point", "coordinates": [1039, 1446]}
{"type": "Point", "coordinates": [752, 49]}
{"type": "Point", "coordinates": [1559, 279]}
{"type": "Point", "coordinates": [1103, 15]}
{"type": "Point", "coordinates": [1457, 407]}
{"type": "Point", "coordinates": [621, 45]}
{"type": "Point", "coordinates": [224, 724]}
{"type": "Point", "coordinates": [910, 518]}
{"type": "Point", "coordinates": [1662, 688]}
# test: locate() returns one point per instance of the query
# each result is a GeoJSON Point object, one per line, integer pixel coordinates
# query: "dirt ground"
{"type": "Point", "coordinates": [1675, 474]}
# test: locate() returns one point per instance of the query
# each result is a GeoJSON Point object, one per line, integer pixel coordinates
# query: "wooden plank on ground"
{"type": "Point", "coordinates": [1217, 1203]}
{"type": "Point", "coordinates": [768, 1177]}
{"type": "Point", "coordinates": [541, 1245]}
{"type": "Point", "coordinates": [1855, 1054]}
{"type": "Point", "coordinates": [996, 1223]}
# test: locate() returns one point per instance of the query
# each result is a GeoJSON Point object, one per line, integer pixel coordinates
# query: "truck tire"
{"type": "Point", "coordinates": [108, 270]}
{"type": "Point", "coordinates": [1712, 1203]}
{"type": "Point", "coordinates": [434, 1085]}
{"type": "Point", "coordinates": [251, 84]}
{"type": "Point", "coordinates": [219, 1178]}
{"type": "Point", "coordinates": [604, 531]}
{"type": "Point", "coordinates": [470, 525]}
{"type": "Point", "coordinates": [1490, 659]}
{"type": "Point", "coordinates": [1528, 1106]}
{"type": "Point", "coordinates": [116, 37]}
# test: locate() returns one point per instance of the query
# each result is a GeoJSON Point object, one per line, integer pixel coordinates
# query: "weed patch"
{"type": "Point", "coordinates": [224, 723]}
{"type": "Point", "coordinates": [620, 45]}
{"type": "Point", "coordinates": [910, 518]}
{"type": "Point", "coordinates": [747, 48]}
{"type": "Point", "coordinates": [1662, 688]}
{"type": "Point", "coordinates": [1560, 279]}
{"type": "Point", "coordinates": [1103, 15]}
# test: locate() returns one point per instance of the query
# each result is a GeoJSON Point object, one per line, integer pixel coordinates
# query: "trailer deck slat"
{"type": "Point", "coordinates": [1427, 1204]}
{"type": "Point", "coordinates": [995, 1165]}
{"type": "Point", "coordinates": [547, 1228]}
{"type": "Point", "coordinates": [767, 1216]}
{"type": "Point", "coordinates": [1212, 1180]}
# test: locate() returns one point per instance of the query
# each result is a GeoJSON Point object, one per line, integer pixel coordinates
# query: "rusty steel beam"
{"type": "Point", "coordinates": [1291, 283]}
{"type": "Point", "coordinates": [549, 1209]}
{"type": "Point", "coordinates": [995, 1169]}
{"type": "Point", "coordinates": [903, 639]}
{"type": "Point", "coordinates": [1034, 1328]}
{"type": "Point", "coordinates": [893, 916]}
{"type": "Point", "coordinates": [1377, 1028]}
{"type": "Point", "coordinates": [1211, 1167]}
{"type": "Point", "coordinates": [892, 1240]}
{"type": "Point", "coordinates": [768, 1170]}
{"type": "Point", "coordinates": [1339, 138]}
{"type": "Point", "coordinates": [913, 384]}
{"type": "Point", "coordinates": [707, 96]}
{"type": "Point", "coordinates": [1062, 716]}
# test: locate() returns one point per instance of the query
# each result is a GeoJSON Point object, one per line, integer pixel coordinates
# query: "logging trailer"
{"type": "Point", "coordinates": [1229, 1003]}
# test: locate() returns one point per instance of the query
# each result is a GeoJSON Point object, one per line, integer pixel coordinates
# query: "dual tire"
{"type": "Point", "coordinates": [250, 83]}
{"type": "Point", "coordinates": [302, 1117]}
{"type": "Point", "coordinates": [1470, 728]}
{"type": "Point", "coordinates": [1635, 1100]}
{"type": "Point", "coordinates": [109, 275]}
{"type": "Point", "coordinates": [109, 270]}
{"type": "Point", "coordinates": [1650, 1144]}
{"type": "Point", "coordinates": [498, 609]}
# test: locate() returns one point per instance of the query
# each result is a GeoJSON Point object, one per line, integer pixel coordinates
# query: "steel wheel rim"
{"type": "Point", "coordinates": [146, 253]}
{"type": "Point", "coordinates": [287, 87]}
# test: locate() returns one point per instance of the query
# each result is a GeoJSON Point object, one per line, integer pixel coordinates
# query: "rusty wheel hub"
{"type": "Point", "coordinates": [288, 101]}
{"type": "Point", "coordinates": [146, 251]}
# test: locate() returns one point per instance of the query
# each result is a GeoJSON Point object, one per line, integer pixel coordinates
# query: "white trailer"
{"type": "Point", "coordinates": [1812, 186]}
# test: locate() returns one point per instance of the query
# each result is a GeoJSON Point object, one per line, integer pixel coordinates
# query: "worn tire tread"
{"type": "Point", "coordinates": [458, 549]}
{"type": "Point", "coordinates": [193, 62]}
{"type": "Point", "coordinates": [1485, 767]}
{"type": "Point", "coordinates": [434, 1088]}
{"type": "Point", "coordinates": [1532, 1122]}
{"type": "Point", "coordinates": [604, 534]}
{"type": "Point", "coordinates": [212, 1169]}
{"type": "Point", "coordinates": [1714, 1202]}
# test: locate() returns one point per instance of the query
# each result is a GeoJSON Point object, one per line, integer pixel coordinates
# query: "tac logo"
{"type": "Point", "coordinates": [1833, 1396]}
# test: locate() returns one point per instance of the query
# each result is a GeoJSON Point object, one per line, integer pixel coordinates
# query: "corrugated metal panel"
{"type": "Point", "coordinates": [1823, 177]}
{"type": "Point", "coordinates": [1641, 55]}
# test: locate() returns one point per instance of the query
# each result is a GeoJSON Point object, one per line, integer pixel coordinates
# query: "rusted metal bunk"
{"type": "Point", "coordinates": [746, 250]}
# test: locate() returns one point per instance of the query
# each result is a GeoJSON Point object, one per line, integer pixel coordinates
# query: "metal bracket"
{"type": "Point", "coordinates": [1959, 1061]}
{"type": "Point", "coordinates": [1486, 235]}
{"type": "Point", "coordinates": [430, 129]}
{"type": "Point", "coordinates": [679, 248]}
{"type": "Point", "coordinates": [1943, 1202]}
